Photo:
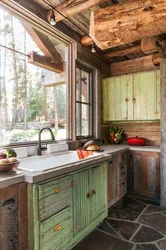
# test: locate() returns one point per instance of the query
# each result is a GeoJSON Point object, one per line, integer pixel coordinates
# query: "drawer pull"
{"type": "Point", "coordinates": [58, 228]}
{"type": "Point", "coordinates": [57, 190]}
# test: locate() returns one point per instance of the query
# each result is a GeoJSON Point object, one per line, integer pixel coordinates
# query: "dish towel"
{"type": "Point", "coordinates": [82, 154]}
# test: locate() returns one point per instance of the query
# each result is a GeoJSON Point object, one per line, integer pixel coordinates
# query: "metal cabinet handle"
{"type": "Point", "coordinates": [58, 228]}
{"type": "Point", "coordinates": [57, 190]}
{"type": "Point", "coordinates": [88, 195]}
{"type": "Point", "coordinates": [93, 192]}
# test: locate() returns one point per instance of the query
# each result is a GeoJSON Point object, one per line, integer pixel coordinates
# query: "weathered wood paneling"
{"type": "Point", "coordinates": [13, 217]}
{"type": "Point", "coordinates": [150, 131]}
{"type": "Point", "coordinates": [132, 97]}
{"type": "Point", "coordinates": [145, 174]}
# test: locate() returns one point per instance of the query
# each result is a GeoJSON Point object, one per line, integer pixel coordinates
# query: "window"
{"type": "Point", "coordinates": [33, 82]}
{"type": "Point", "coordinates": [83, 102]}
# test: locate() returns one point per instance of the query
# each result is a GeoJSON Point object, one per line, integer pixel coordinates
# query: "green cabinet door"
{"type": "Point", "coordinates": [117, 98]}
{"type": "Point", "coordinates": [146, 87]}
{"type": "Point", "coordinates": [89, 196]}
{"type": "Point", "coordinates": [132, 97]}
{"type": "Point", "coordinates": [81, 201]}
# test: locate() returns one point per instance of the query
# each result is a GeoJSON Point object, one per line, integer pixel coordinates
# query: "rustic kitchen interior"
{"type": "Point", "coordinates": [82, 125]}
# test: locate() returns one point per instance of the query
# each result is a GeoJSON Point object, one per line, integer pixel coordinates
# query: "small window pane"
{"type": "Point", "coordinates": [85, 119]}
{"type": "Point", "coordinates": [84, 86]}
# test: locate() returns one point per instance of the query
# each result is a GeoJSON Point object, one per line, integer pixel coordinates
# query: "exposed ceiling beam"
{"type": "Point", "coordinates": [72, 7]}
{"type": "Point", "coordinates": [45, 62]}
{"type": "Point", "coordinates": [136, 65]}
{"type": "Point", "coordinates": [44, 43]}
{"type": "Point", "coordinates": [128, 22]}
{"type": "Point", "coordinates": [124, 52]}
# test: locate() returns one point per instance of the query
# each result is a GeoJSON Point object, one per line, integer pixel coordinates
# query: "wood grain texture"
{"type": "Point", "coordinates": [150, 131]}
{"type": "Point", "coordinates": [70, 8]}
{"type": "Point", "coordinates": [13, 217]}
{"type": "Point", "coordinates": [163, 131]}
{"type": "Point", "coordinates": [145, 174]}
{"type": "Point", "coordinates": [128, 22]}
{"type": "Point", "coordinates": [141, 64]}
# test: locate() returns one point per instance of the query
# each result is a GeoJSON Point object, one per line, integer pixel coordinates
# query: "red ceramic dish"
{"type": "Point", "coordinates": [136, 141]}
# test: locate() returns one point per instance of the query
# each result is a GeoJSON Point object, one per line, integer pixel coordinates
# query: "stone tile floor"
{"type": "Point", "coordinates": [130, 225]}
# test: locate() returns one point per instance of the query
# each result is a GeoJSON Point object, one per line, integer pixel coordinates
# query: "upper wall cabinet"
{"type": "Point", "coordinates": [132, 97]}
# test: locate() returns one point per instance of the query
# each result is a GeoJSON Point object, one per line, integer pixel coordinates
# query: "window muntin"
{"type": "Point", "coordinates": [30, 97]}
{"type": "Point", "coordinates": [83, 102]}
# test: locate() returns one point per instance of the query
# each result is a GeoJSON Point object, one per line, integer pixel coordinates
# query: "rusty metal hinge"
{"type": "Point", "coordinates": [73, 229]}
{"type": "Point", "coordinates": [73, 184]}
{"type": "Point", "coordinates": [104, 205]}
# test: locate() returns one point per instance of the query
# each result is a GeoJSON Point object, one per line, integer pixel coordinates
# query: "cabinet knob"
{"type": "Point", "coordinates": [88, 195]}
{"type": "Point", "coordinates": [58, 228]}
{"type": "Point", "coordinates": [57, 190]}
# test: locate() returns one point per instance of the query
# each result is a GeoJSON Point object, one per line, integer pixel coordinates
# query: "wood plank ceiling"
{"type": "Point", "coordinates": [82, 20]}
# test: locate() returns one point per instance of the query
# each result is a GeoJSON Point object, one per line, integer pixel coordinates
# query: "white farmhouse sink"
{"type": "Point", "coordinates": [45, 163]}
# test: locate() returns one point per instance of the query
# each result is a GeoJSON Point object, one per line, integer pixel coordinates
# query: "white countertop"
{"type": "Point", "coordinates": [18, 176]}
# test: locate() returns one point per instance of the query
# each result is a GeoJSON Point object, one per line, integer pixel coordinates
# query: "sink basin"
{"type": "Point", "coordinates": [45, 163]}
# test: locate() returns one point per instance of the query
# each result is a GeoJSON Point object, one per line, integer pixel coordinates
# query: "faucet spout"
{"type": "Point", "coordinates": [40, 148]}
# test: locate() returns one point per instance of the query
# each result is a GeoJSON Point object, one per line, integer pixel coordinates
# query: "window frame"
{"type": "Point", "coordinates": [90, 72]}
{"type": "Point", "coordinates": [21, 13]}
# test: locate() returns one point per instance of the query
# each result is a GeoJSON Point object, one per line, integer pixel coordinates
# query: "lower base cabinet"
{"type": "Point", "coordinates": [117, 177]}
{"type": "Point", "coordinates": [145, 174]}
{"type": "Point", "coordinates": [66, 209]}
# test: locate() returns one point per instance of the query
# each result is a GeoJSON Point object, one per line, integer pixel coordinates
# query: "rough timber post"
{"type": "Point", "coordinates": [163, 132]}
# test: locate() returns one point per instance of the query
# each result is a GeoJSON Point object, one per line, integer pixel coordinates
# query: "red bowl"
{"type": "Point", "coordinates": [136, 141]}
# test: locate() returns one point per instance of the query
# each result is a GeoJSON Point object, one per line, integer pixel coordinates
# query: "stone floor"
{"type": "Point", "coordinates": [130, 225]}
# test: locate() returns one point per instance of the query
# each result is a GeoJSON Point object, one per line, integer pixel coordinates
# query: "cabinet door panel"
{"type": "Point", "coordinates": [145, 95]}
{"type": "Point", "coordinates": [146, 177]}
{"type": "Point", "coordinates": [81, 201]}
{"type": "Point", "coordinates": [158, 95]}
{"type": "Point", "coordinates": [98, 182]}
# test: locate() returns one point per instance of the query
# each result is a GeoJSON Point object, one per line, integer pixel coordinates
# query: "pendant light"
{"type": "Point", "coordinates": [52, 18]}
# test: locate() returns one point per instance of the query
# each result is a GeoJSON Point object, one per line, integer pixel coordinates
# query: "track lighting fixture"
{"type": "Point", "coordinates": [93, 49]}
{"type": "Point", "coordinates": [52, 18]}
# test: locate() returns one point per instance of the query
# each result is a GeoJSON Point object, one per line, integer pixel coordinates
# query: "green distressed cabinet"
{"type": "Point", "coordinates": [63, 210]}
{"type": "Point", "coordinates": [132, 97]}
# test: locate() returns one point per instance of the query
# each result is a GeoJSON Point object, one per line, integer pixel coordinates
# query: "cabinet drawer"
{"type": "Point", "coordinates": [56, 232]}
{"type": "Point", "coordinates": [54, 196]}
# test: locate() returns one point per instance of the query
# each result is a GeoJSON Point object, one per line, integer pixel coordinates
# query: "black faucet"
{"type": "Point", "coordinates": [40, 148]}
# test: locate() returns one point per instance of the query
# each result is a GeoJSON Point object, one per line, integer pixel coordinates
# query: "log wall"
{"type": "Point", "coordinates": [150, 131]}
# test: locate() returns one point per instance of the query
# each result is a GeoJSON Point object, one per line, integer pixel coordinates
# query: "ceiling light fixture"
{"type": "Point", "coordinates": [93, 49]}
{"type": "Point", "coordinates": [52, 18]}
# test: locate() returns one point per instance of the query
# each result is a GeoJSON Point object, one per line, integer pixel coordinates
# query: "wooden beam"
{"type": "Point", "coordinates": [72, 7]}
{"type": "Point", "coordinates": [136, 65]}
{"type": "Point", "coordinates": [126, 23]}
{"type": "Point", "coordinates": [163, 133]}
{"type": "Point", "coordinates": [86, 41]}
{"type": "Point", "coordinates": [45, 62]}
{"type": "Point", "coordinates": [148, 45]}
{"type": "Point", "coordinates": [124, 52]}
{"type": "Point", "coordinates": [33, 7]}
{"type": "Point", "coordinates": [44, 43]}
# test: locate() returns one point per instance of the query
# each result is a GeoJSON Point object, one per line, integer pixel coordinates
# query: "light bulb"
{"type": "Point", "coordinates": [52, 19]}
{"type": "Point", "coordinates": [93, 50]}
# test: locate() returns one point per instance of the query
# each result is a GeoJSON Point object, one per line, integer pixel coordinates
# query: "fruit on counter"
{"type": "Point", "coordinates": [4, 161]}
{"type": "Point", "coordinates": [3, 155]}
{"type": "Point", "coordinates": [11, 153]}
{"type": "Point", "coordinates": [115, 134]}
{"type": "Point", "coordinates": [12, 159]}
